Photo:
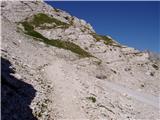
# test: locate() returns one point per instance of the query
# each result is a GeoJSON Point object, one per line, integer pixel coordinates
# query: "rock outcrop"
{"type": "Point", "coordinates": [55, 66]}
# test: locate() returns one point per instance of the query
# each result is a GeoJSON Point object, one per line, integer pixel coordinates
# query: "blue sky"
{"type": "Point", "coordinates": [134, 24]}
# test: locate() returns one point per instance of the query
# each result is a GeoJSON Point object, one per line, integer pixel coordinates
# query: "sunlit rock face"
{"type": "Point", "coordinates": [55, 66]}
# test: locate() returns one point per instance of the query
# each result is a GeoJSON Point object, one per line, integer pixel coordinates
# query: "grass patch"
{"type": "Point", "coordinates": [106, 39]}
{"type": "Point", "coordinates": [68, 46]}
{"type": "Point", "coordinates": [93, 99]}
{"type": "Point", "coordinates": [41, 18]}
{"type": "Point", "coordinates": [29, 30]}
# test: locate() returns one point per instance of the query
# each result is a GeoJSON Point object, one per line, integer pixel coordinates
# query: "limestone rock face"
{"type": "Point", "coordinates": [55, 66]}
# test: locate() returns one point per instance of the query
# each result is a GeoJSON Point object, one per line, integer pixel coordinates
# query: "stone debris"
{"type": "Point", "coordinates": [44, 82]}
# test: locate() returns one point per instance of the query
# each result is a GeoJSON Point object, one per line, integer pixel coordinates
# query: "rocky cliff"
{"type": "Point", "coordinates": [55, 66]}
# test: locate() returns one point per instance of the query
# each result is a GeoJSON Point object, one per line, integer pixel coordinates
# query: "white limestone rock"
{"type": "Point", "coordinates": [118, 82]}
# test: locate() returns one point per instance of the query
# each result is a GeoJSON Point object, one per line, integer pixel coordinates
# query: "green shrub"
{"type": "Point", "coordinates": [41, 18]}
{"type": "Point", "coordinates": [96, 36]}
{"type": "Point", "coordinates": [68, 46]}
{"type": "Point", "coordinates": [29, 30]}
{"type": "Point", "coordinates": [106, 39]}
{"type": "Point", "coordinates": [93, 99]}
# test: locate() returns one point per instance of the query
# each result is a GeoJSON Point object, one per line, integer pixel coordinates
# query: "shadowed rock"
{"type": "Point", "coordinates": [16, 95]}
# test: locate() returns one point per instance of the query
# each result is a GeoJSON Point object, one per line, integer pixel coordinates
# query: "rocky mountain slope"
{"type": "Point", "coordinates": [55, 66]}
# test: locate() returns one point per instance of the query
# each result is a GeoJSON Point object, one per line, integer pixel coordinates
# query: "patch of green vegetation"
{"type": "Point", "coordinates": [68, 46]}
{"type": "Point", "coordinates": [41, 18]}
{"type": "Point", "coordinates": [93, 99]}
{"type": "Point", "coordinates": [106, 39]}
{"type": "Point", "coordinates": [29, 30]}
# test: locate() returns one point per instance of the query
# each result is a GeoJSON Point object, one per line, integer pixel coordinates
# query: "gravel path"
{"type": "Point", "coordinates": [145, 98]}
{"type": "Point", "coordinates": [66, 102]}
{"type": "Point", "coordinates": [67, 89]}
